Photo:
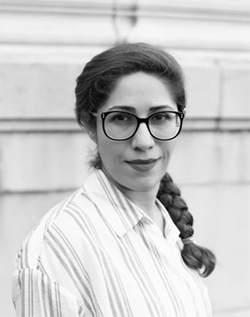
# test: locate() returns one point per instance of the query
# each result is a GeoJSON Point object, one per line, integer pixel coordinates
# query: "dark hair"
{"type": "Point", "coordinates": [100, 75]}
{"type": "Point", "coordinates": [94, 86]}
{"type": "Point", "coordinates": [195, 257]}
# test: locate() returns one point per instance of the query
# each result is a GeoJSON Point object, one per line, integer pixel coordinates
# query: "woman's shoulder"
{"type": "Point", "coordinates": [66, 219]}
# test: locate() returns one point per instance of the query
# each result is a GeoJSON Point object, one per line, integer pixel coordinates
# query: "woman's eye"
{"type": "Point", "coordinates": [161, 117]}
{"type": "Point", "coordinates": [120, 118]}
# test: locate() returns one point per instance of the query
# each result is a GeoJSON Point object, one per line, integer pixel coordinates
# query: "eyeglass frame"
{"type": "Point", "coordinates": [103, 115]}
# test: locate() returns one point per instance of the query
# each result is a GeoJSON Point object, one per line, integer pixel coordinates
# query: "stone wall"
{"type": "Point", "coordinates": [44, 46]}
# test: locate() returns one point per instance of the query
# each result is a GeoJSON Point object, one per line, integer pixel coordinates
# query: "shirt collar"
{"type": "Point", "coordinates": [121, 214]}
{"type": "Point", "coordinates": [171, 232]}
{"type": "Point", "coordinates": [115, 207]}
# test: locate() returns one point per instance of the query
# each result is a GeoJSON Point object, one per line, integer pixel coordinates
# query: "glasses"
{"type": "Point", "coordinates": [121, 125]}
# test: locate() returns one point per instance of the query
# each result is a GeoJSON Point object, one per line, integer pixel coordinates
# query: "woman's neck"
{"type": "Point", "coordinates": [146, 201]}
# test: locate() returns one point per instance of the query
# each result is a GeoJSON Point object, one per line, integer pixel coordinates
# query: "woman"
{"type": "Point", "coordinates": [122, 245]}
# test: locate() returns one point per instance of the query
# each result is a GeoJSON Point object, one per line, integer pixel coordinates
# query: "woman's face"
{"type": "Point", "coordinates": [141, 94]}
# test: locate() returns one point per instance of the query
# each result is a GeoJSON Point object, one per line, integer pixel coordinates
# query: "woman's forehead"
{"type": "Point", "coordinates": [139, 91]}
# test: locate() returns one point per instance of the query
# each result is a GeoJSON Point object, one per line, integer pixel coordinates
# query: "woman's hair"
{"type": "Point", "coordinates": [94, 86]}
{"type": "Point", "coordinates": [101, 74]}
{"type": "Point", "coordinates": [195, 257]}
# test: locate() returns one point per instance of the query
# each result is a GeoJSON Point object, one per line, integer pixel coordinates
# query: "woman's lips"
{"type": "Point", "coordinates": [143, 165]}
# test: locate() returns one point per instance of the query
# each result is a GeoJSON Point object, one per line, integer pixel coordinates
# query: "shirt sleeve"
{"type": "Point", "coordinates": [36, 295]}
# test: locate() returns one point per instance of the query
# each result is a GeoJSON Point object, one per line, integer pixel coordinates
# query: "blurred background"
{"type": "Point", "coordinates": [43, 153]}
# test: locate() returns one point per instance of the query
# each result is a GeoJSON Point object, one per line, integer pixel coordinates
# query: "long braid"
{"type": "Point", "coordinates": [194, 256]}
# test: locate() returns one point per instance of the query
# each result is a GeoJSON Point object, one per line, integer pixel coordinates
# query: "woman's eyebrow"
{"type": "Point", "coordinates": [133, 109]}
{"type": "Point", "coordinates": [122, 107]}
{"type": "Point", "coordinates": [162, 107]}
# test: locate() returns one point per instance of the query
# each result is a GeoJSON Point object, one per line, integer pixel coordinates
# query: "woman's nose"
{"type": "Point", "coordinates": [143, 139]}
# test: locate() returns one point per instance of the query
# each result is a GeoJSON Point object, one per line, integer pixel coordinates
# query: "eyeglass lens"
{"type": "Point", "coordinates": [122, 125]}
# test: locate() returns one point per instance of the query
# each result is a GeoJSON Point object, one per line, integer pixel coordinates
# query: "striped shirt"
{"type": "Point", "coordinates": [98, 254]}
